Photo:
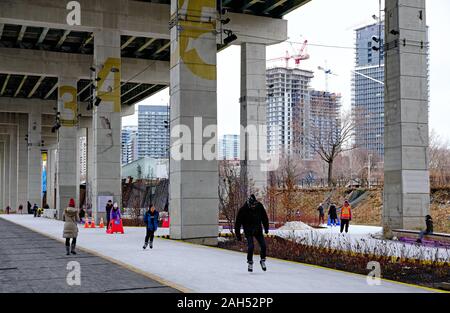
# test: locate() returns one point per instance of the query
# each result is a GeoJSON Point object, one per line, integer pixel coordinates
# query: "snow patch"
{"type": "Point", "coordinates": [295, 226]}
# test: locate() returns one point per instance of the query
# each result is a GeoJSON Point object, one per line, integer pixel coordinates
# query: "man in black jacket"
{"type": "Point", "coordinates": [252, 216]}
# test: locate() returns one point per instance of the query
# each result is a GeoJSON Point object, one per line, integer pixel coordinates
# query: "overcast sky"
{"type": "Point", "coordinates": [332, 23]}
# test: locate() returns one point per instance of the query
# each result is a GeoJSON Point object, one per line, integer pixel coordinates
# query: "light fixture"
{"type": "Point", "coordinates": [226, 21]}
{"type": "Point", "coordinates": [394, 32]}
{"type": "Point", "coordinates": [375, 49]}
{"type": "Point", "coordinates": [114, 70]}
{"type": "Point", "coordinates": [376, 39]}
{"type": "Point", "coordinates": [230, 37]}
{"type": "Point", "coordinates": [97, 101]}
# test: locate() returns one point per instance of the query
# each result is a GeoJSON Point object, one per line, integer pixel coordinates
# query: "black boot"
{"type": "Point", "coordinates": [145, 245]}
{"type": "Point", "coordinates": [263, 265]}
{"type": "Point", "coordinates": [67, 250]}
{"type": "Point", "coordinates": [73, 249]}
{"type": "Point", "coordinates": [151, 244]}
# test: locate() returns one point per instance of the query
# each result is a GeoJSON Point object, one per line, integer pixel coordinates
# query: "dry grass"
{"type": "Point", "coordinates": [368, 212]}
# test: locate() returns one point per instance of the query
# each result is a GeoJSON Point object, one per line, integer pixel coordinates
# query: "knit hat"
{"type": "Point", "coordinates": [71, 203]}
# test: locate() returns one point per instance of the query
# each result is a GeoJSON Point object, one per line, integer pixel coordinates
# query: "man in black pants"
{"type": "Point", "coordinates": [252, 216]}
{"type": "Point", "coordinates": [108, 208]}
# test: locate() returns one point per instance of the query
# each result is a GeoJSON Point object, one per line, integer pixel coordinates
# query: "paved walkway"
{"type": "Point", "coordinates": [204, 269]}
{"type": "Point", "coordinates": [31, 262]}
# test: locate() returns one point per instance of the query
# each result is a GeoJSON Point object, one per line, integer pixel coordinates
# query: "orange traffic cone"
{"type": "Point", "coordinates": [102, 225]}
{"type": "Point", "coordinates": [93, 223]}
{"type": "Point", "coordinates": [86, 223]}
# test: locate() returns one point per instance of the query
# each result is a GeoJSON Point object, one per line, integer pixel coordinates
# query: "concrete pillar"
{"type": "Point", "coordinates": [89, 165]}
{"type": "Point", "coordinates": [81, 132]}
{"type": "Point", "coordinates": [13, 169]}
{"type": "Point", "coordinates": [51, 174]}
{"type": "Point", "coordinates": [406, 175]}
{"type": "Point", "coordinates": [253, 117]}
{"type": "Point", "coordinates": [22, 178]}
{"type": "Point", "coordinates": [193, 87]}
{"type": "Point", "coordinates": [2, 175]}
{"type": "Point", "coordinates": [7, 196]}
{"type": "Point", "coordinates": [107, 121]}
{"type": "Point", "coordinates": [66, 163]}
{"type": "Point", "coordinates": [34, 157]}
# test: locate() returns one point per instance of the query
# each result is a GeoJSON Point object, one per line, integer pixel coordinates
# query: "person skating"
{"type": "Point", "coordinates": [82, 214]}
{"type": "Point", "coordinates": [321, 214]}
{"type": "Point", "coordinates": [346, 216]}
{"type": "Point", "coordinates": [29, 207]}
{"type": "Point", "coordinates": [108, 208]}
{"type": "Point", "coordinates": [151, 219]}
{"type": "Point", "coordinates": [70, 227]}
{"type": "Point", "coordinates": [20, 209]}
{"type": "Point", "coordinates": [428, 230]}
{"type": "Point", "coordinates": [252, 216]}
{"type": "Point", "coordinates": [35, 210]}
{"type": "Point", "coordinates": [332, 213]}
{"type": "Point", "coordinates": [115, 214]}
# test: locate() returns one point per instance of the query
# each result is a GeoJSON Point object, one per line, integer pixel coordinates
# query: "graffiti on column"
{"type": "Point", "coordinates": [68, 120]}
{"type": "Point", "coordinates": [192, 26]}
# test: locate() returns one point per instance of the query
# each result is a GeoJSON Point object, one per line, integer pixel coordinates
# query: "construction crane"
{"type": "Point", "coordinates": [327, 72]}
{"type": "Point", "coordinates": [299, 55]}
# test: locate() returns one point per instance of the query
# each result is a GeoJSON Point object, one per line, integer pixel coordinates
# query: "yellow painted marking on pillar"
{"type": "Point", "coordinates": [70, 105]}
{"type": "Point", "coordinates": [192, 29]}
{"type": "Point", "coordinates": [114, 94]}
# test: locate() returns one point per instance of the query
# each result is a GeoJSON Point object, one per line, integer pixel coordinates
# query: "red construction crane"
{"type": "Point", "coordinates": [299, 55]}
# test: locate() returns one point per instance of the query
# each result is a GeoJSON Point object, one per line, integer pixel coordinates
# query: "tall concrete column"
{"type": "Point", "coordinates": [193, 200]}
{"type": "Point", "coordinates": [81, 132]}
{"type": "Point", "coordinates": [66, 163]}
{"type": "Point", "coordinates": [34, 157]}
{"type": "Point", "coordinates": [89, 165]}
{"type": "Point", "coordinates": [107, 120]}
{"type": "Point", "coordinates": [51, 173]}
{"type": "Point", "coordinates": [406, 175]}
{"type": "Point", "coordinates": [253, 117]}
{"type": "Point", "coordinates": [2, 175]}
{"type": "Point", "coordinates": [22, 178]}
{"type": "Point", "coordinates": [7, 147]}
{"type": "Point", "coordinates": [13, 169]}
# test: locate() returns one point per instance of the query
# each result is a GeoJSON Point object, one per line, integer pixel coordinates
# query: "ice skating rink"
{"type": "Point", "coordinates": [194, 268]}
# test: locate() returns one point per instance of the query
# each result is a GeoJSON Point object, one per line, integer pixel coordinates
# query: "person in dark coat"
{"type": "Point", "coordinates": [321, 214]}
{"type": "Point", "coordinates": [82, 214]}
{"type": "Point", "coordinates": [109, 206]}
{"type": "Point", "coordinates": [332, 213]}
{"type": "Point", "coordinates": [35, 210]}
{"type": "Point", "coordinates": [151, 219]}
{"type": "Point", "coordinates": [428, 230]}
{"type": "Point", "coordinates": [20, 209]}
{"type": "Point", "coordinates": [253, 217]}
{"type": "Point", "coordinates": [29, 207]}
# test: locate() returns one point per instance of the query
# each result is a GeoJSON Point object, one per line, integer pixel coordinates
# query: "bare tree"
{"type": "Point", "coordinates": [232, 191]}
{"type": "Point", "coordinates": [329, 145]}
{"type": "Point", "coordinates": [439, 163]}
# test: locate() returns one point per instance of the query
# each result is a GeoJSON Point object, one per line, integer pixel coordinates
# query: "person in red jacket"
{"type": "Point", "coordinates": [346, 216]}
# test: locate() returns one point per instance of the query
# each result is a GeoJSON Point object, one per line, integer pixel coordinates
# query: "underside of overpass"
{"type": "Point", "coordinates": [53, 73]}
